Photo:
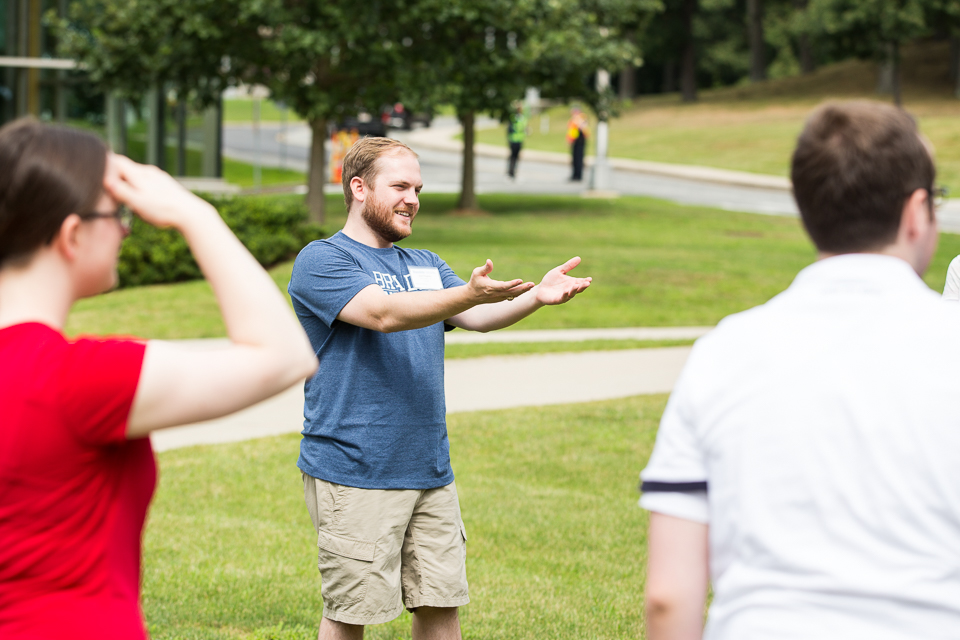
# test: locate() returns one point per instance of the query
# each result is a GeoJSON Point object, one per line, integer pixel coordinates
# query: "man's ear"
{"type": "Point", "coordinates": [916, 218]}
{"type": "Point", "coordinates": [358, 188]}
{"type": "Point", "coordinates": [67, 240]}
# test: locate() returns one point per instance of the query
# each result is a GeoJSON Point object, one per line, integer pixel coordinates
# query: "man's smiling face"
{"type": "Point", "coordinates": [393, 200]}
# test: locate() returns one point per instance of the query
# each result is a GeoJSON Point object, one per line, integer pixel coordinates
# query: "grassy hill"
{"type": "Point", "coordinates": [753, 127]}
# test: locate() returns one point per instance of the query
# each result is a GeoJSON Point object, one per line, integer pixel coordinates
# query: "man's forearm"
{"type": "Point", "coordinates": [490, 317]}
{"type": "Point", "coordinates": [374, 309]}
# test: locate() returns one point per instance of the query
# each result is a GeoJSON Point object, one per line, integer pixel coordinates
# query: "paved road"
{"type": "Point", "coordinates": [441, 166]}
{"type": "Point", "coordinates": [441, 170]}
{"type": "Point", "coordinates": [543, 173]}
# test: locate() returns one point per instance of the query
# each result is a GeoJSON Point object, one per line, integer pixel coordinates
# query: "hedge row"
{"type": "Point", "coordinates": [273, 231]}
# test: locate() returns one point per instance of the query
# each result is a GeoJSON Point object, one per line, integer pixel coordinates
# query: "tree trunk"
{"type": "Point", "coordinates": [628, 83]}
{"type": "Point", "coordinates": [688, 63]}
{"type": "Point", "coordinates": [758, 62]}
{"type": "Point", "coordinates": [468, 192]}
{"type": "Point", "coordinates": [317, 172]}
{"type": "Point", "coordinates": [807, 63]}
{"type": "Point", "coordinates": [955, 63]}
{"type": "Point", "coordinates": [669, 76]}
{"type": "Point", "coordinates": [895, 64]}
{"type": "Point", "coordinates": [885, 71]}
{"type": "Point", "coordinates": [805, 49]}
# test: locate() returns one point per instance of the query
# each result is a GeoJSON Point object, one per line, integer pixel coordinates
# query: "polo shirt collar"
{"type": "Point", "coordinates": [869, 269]}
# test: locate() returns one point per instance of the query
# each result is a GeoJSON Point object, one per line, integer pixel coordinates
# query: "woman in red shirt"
{"type": "Point", "coordinates": [76, 468]}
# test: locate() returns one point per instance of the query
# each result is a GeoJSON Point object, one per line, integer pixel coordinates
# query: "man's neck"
{"type": "Point", "coordinates": [358, 230]}
{"type": "Point", "coordinates": [892, 250]}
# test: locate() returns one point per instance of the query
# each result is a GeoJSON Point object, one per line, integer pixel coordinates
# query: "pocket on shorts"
{"type": "Point", "coordinates": [345, 566]}
{"type": "Point", "coordinates": [346, 547]}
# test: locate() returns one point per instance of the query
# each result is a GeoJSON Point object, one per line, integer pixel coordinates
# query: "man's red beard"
{"type": "Point", "coordinates": [380, 218]}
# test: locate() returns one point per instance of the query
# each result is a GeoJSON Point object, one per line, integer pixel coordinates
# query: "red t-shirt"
{"type": "Point", "coordinates": [73, 490]}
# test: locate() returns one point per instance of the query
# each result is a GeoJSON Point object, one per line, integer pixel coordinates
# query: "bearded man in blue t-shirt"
{"type": "Point", "coordinates": [375, 456]}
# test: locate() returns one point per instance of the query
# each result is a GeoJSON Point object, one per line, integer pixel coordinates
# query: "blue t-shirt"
{"type": "Point", "coordinates": [375, 416]}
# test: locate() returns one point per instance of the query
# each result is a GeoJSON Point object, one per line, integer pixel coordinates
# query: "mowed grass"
{"type": "Point", "coordinates": [754, 128]}
{"type": "Point", "coordinates": [556, 542]}
{"type": "Point", "coordinates": [654, 264]}
{"type": "Point", "coordinates": [242, 174]}
{"type": "Point", "coordinates": [242, 110]}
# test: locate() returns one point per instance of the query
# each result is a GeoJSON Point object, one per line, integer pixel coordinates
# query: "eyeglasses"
{"type": "Point", "coordinates": [123, 215]}
{"type": "Point", "coordinates": [937, 195]}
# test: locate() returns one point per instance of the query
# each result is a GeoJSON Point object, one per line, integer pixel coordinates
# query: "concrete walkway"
{"type": "Point", "coordinates": [492, 382]}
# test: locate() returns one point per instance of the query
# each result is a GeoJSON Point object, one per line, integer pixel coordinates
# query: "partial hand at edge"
{"type": "Point", "coordinates": [557, 287]}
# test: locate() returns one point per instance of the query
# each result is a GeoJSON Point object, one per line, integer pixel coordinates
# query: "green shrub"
{"type": "Point", "coordinates": [273, 231]}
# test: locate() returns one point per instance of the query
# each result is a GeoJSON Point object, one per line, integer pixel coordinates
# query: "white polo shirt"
{"type": "Point", "coordinates": [819, 436]}
{"type": "Point", "coordinates": [951, 286]}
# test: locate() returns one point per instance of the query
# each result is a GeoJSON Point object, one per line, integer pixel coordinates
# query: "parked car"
{"type": "Point", "coordinates": [398, 117]}
{"type": "Point", "coordinates": [364, 123]}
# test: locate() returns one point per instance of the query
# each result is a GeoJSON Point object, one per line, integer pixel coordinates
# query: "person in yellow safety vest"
{"type": "Point", "coordinates": [516, 134]}
{"type": "Point", "coordinates": [577, 131]}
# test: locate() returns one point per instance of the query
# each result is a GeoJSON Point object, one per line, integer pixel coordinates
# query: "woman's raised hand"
{"type": "Point", "coordinates": [151, 192]}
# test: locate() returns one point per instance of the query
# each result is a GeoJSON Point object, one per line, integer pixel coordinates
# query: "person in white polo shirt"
{"type": "Point", "coordinates": [951, 285]}
{"type": "Point", "coordinates": [808, 461]}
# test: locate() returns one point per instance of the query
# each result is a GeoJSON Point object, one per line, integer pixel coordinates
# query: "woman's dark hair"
{"type": "Point", "coordinates": [855, 165]}
{"type": "Point", "coordinates": [47, 172]}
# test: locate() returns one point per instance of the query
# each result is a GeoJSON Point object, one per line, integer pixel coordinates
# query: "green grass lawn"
{"type": "Point", "coordinates": [556, 542]}
{"type": "Point", "coordinates": [654, 264]}
{"type": "Point", "coordinates": [241, 110]}
{"type": "Point", "coordinates": [241, 173]}
{"type": "Point", "coordinates": [754, 128]}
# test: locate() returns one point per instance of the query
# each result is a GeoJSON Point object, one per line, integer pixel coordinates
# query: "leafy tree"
{"type": "Point", "coordinates": [484, 53]}
{"type": "Point", "coordinates": [945, 14]}
{"type": "Point", "coordinates": [130, 46]}
{"type": "Point", "coordinates": [326, 59]}
{"type": "Point", "coordinates": [873, 28]}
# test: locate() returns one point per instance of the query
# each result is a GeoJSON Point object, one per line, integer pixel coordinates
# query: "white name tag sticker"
{"type": "Point", "coordinates": [425, 278]}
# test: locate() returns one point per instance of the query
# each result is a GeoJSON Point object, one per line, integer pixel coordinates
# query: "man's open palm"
{"type": "Point", "coordinates": [557, 287]}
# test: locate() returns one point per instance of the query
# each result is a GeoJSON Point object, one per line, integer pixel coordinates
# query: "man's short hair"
{"type": "Point", "coordinates": [361, 162]}
{"type": "Point", "coordinates": [855, 165]}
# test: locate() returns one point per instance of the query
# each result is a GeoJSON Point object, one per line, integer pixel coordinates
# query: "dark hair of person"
{"type": "Point", "coordinates": [855, 165]}
{"type": "Point", "coordinates": [47, 172]}
{"type": "Point", "coordinates": [361, 161]}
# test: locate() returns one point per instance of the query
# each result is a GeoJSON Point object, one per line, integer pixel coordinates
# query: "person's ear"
{"type": "Point", "coordinates": [915, 219]}
{"type": "Point", "coordinates": [67, 240]}
{"type": "Point", "coordinates": [358, 188]}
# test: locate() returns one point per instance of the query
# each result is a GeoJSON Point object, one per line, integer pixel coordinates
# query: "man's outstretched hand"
{"type": "Point", "coordinates": [486, 289]}
{"type": "Point", "coordinates": [557, 287]}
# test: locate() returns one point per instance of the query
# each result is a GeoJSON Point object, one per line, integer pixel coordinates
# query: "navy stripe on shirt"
{"type": "Point", "coordinates": [676, 487]}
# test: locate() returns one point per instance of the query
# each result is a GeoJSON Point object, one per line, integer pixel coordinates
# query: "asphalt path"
{"type": "Point", "coordinates": [471, 384]}
{"type": "Point", "coordinates": [276, 145]}
{"type": "Point", "coordinates": [288, 147]}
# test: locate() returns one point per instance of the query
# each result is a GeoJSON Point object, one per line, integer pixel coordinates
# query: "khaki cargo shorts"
{"type": "Point", "coordinates": [381, 550]}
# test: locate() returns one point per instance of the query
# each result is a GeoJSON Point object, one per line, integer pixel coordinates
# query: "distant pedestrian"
{"type": "Point", "coordinates": [516, 134]}
{"type": "Point", "coordinates": [577, 132]}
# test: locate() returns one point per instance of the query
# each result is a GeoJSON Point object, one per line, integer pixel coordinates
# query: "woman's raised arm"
{"type": "Point", "coordinates": [268, 349]}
